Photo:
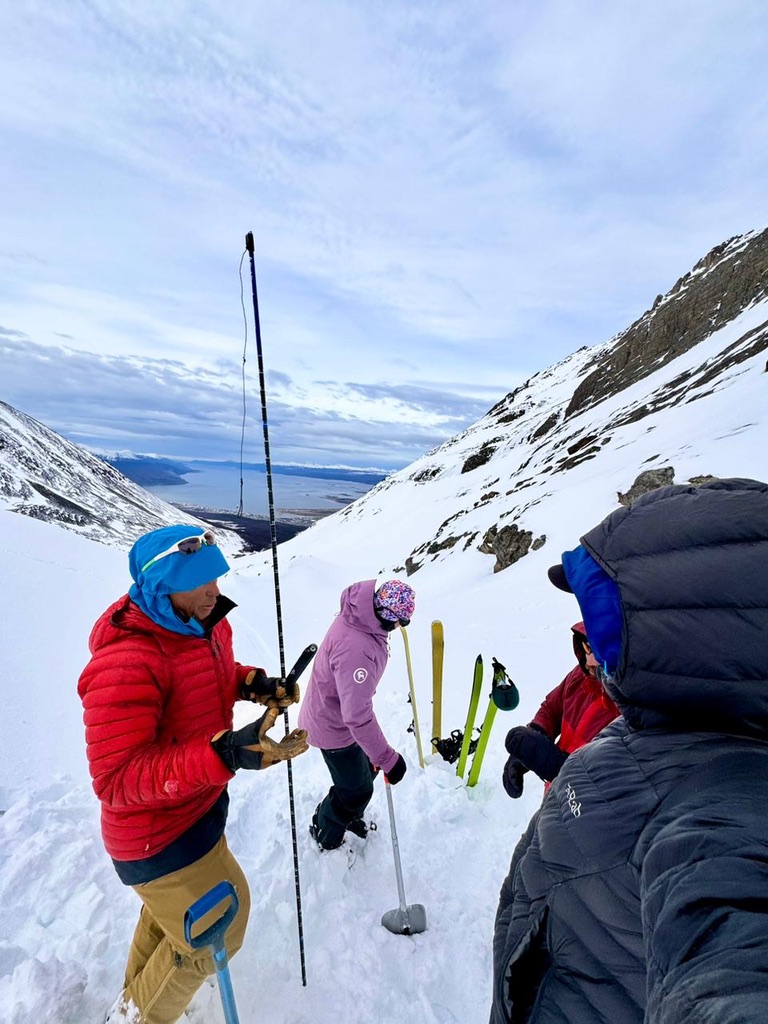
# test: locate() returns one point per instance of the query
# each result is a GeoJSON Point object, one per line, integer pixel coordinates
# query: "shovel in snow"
{"type": "Point", "coordinates": [404, 920]}
{"type": "Point", "coordinates": [213, 936]}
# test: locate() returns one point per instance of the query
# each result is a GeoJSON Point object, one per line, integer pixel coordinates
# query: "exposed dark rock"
{"type": "Point", "coordinates": [690, 385]}
{"type": "Point", "coordinates": [411, 566]}
{"type": "Point", "coordinates": [539, 542]}
{"type": "Point", "coordinates": [442, 545]}
{"type": "Point", "coordinates": [481, 456]}
{"type": "Point", "coordinates": [509, 544]}
{"type": "Point", "coordinates": [510, 417]}
{"type": "Point", "coordinates": [545, 427]}
{"type": "Point", "coordinates": [649, 480]}
{"type": "Point", "coordinates": [577, 459]}
{"type": "Point", "coordinates": [485, 499]}
{"type": "Point", "coordinates": [582, 442]}
{"type": "Point", "coordinates": [720, 286]}
{"type": "Point", "coordinates": [426, 474]}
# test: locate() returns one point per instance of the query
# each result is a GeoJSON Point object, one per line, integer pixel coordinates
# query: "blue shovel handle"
{"type": "Point", "coordinates": [213, 935]}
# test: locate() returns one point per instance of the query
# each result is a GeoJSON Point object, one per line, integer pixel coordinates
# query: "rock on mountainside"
{"type": "Point", "coordinates": [45, 476]}
{"type": "Point", "coordinates": [729, 279]}
{"type": "Point", "coordinates": [680, 396]}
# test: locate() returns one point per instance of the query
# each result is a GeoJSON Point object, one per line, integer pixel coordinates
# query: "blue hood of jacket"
{"type": "Point", "coordinates": [171, 575]}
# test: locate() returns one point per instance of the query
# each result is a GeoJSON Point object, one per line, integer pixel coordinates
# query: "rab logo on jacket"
{"type": "Point", "coordinates": [573, 804]}
{"type": "Point", "coordinates": [360, 675]}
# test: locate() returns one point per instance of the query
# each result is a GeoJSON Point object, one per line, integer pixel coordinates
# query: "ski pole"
{"type": "Point", "coordinates": [438, 648]}
{"type": "Point", "coordinates": [409, 667]}
{"type": "Point", "coordinates": [213, 936]}
{"type": "Point", "coordinates": [276, 574]}
{"type": "Point", "coordinates": [504, 697]}
{"type": "Point", "coordinates": [405, 919]}
{"type": "Point", "coordinates": [474, 700]}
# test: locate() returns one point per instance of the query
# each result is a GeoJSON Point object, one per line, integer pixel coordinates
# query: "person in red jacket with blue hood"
{"type": "Point", "coordinates": [570, 715]}
{"type": "Point", "coordinates": [337, 711]}
{"type": "Point", "coordinates": [158, 696]}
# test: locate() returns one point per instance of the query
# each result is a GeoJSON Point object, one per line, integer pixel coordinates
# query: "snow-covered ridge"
{"type": "Point", "coordinates": [44, 476]}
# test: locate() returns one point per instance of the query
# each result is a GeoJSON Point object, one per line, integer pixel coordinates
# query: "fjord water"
{"type": "Point", "coordinates": [218, 487]}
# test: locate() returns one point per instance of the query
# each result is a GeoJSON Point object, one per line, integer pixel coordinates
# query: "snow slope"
{"type": "Point", "coordinates": [68, 921]}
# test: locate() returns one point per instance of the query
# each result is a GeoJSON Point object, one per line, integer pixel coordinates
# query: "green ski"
{"type": "Point", "coordinates": [504, 695]}
{"type": "Point", "coordinates": [413, 694]}
{"type": "Point", "coordinates": [438, 649]}
{"type": "Point", "coordinates": [474, 700]}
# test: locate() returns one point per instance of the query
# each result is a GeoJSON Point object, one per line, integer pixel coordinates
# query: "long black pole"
{"type": "Point", "coordinates": [278, 604]}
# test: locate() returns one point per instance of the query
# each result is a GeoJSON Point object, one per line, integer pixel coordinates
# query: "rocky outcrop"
{"type": "Point", "coordinates": [509, 544]}
{"type": "Point", "coordinates": [721, 285]}
{"type": "Point", "coordinates": [647, 481]}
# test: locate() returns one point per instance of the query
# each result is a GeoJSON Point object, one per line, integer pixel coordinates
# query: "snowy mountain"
{"type": "Point", "coordinates": [598, 419]}
{"type": "Point", "coordinates": [475, 523]}
{"type": "Point", "coordinates": [44, 476]}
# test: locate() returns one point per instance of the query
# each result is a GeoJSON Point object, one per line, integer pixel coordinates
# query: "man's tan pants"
{"type": "Point", "coordinates": [163, 972]}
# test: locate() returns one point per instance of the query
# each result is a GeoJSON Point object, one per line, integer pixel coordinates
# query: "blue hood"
{"type": "Point", "coordinates": [171, 575]}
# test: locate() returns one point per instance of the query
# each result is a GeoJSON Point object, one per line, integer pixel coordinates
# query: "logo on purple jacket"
{"type": "Point", "coordinates": [360, 675]}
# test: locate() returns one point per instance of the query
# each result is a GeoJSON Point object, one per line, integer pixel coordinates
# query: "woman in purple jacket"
{"type": "Point", "coordinates": [337, 710]}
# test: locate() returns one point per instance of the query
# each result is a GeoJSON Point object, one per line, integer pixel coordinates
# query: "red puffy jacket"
{"type": "Point", "coordinates": [579, 707]}
{"type": "Point", "coordinates": [153, 699]}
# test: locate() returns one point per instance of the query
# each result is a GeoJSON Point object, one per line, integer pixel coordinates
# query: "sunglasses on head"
{"type": "Point", "coordinates": [185, 546]}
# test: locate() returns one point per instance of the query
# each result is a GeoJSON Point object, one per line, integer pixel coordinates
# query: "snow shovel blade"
{"type": "Point", "coordinates": [409, 921]}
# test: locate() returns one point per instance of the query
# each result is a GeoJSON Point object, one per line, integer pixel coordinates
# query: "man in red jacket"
{"type": "Point", "coordinates": [158, 695]}
{"type": "Point", "coordinates": [575, 711]}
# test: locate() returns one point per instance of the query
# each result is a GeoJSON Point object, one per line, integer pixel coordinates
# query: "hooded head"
{"type": "Point", "coordinates": [673, 593]}
{"type": "Point", "coordinates": [579, 635]}
{"type": "Point", "coordinates": [394, 603]}
{"type": "Point", "coordinates": [598, 597]}
{"type": "Point", "coordinates": [160, 567]}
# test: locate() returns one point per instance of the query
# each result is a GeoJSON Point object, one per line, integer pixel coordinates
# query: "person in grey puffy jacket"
{"type": "Point", "coordinates": [337, 711]}
{"type": "Point", "coordinates": [639, 892]}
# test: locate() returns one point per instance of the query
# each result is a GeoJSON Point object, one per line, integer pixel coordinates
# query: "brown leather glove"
{"type": "Point", "coordinates": [271, 691]}
{"type": "Point", "coordinates": [250, 747]}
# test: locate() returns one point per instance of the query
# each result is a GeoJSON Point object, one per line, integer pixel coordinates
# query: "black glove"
{"type": "Point", "coordinates": [396, 772]}
{"type": "Point", "coordinates": [512, 778]}
{"type": "Point", "coordinates": [536, 751]}
{"type": "Point", "coordinates": [269, 690]}
{"type": "Point", "coordinates": [250, 747]}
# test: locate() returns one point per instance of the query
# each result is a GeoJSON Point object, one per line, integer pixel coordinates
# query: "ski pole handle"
{"type": "Point", "coordinates": [301, 663]}
{"type": "Point", "coordinates": [504, 693]}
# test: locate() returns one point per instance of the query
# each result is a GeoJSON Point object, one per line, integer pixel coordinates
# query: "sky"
{"type": "Point", "coordinates": [445, 198]}
{"type": "Point", "coordinates": [67, 921]}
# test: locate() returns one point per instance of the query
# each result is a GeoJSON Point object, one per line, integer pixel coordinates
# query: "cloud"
{"type": "Point", "coordinates": [439, 193]}
{"type": "Point", "coordinates": [164, 407]}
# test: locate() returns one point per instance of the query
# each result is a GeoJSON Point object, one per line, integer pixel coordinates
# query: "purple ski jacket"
{"type": "Point", "coordinates": [337, 709]}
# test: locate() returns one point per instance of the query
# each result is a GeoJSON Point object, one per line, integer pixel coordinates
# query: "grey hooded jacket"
{"type": "Point", "coordinates": [639, 892]}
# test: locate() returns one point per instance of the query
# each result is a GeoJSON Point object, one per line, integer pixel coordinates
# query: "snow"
{"type": "Point", "coordinates": [67, 919]}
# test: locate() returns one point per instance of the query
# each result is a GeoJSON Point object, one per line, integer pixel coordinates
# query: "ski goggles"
{"type": "Point", "coordinates": [386, 622]}
{"type": "Point", "coordinates": [185, 546]}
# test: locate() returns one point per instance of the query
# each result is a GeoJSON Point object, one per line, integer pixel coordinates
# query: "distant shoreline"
{"type": "Point", "coordinates": [255, 531]}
